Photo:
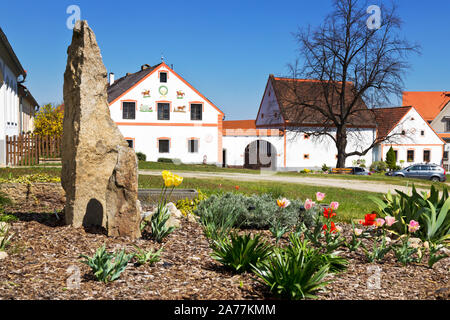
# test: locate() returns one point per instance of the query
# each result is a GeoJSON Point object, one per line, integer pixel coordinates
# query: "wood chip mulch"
{"type": "Point", "coordinates": [44, 260]}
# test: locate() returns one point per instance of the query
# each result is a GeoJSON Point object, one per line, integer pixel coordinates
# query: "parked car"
{"type": "Point", "coordinates": [360, 171]}
{"type": "Point", "coordinates": [426, 171]}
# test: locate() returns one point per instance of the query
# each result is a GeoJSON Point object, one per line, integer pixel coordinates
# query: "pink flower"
{"type": "Point", "coordinates": [320, 196]}
{"type": "Point", "coordinates": [390, 220]}
{"type": "Point", "coordinates": [379, 222]}
{"type": "Point", "coordinates": [334, 205]}
{"type": "Point", "coordinates": [309, 204]}
{"type": "Point", "coordinates": [358, 232]}
{"type": "Point", "coordinates": [413, 226]}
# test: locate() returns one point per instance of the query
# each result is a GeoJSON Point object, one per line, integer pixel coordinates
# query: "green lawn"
{"type": "Point", "coordinates": [146, 165]}
{"type": "Point", "coordinates": [353, 204]}
{"type": "Point", "coordinates": [378, 177]}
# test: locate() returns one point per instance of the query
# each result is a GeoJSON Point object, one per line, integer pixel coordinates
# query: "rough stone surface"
{"type": "Point", "coordinates": [99, 173]}
{"type": "Point", "coordinates": [3, 255]}
{"type": "Point", "coordinates": [175, 215]}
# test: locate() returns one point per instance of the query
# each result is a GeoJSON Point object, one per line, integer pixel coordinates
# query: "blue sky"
{"type": "Point", "coordinates": [226, 49]}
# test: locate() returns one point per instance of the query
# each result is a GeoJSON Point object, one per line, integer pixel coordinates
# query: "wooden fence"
{"type": "Point", "coordinates": [31, 149]}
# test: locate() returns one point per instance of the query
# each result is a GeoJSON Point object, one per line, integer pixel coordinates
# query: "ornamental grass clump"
{"type": "Point", "coordinates": [240, 252]}
{"type": "Point", "coordinates": [106, 266]}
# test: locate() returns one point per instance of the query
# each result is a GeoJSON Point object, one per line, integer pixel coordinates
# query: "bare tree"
{"type": "Point", "coordinates": [356, 67]}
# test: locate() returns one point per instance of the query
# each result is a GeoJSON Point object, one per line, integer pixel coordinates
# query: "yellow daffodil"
{"type": "Point", "coordinates": [169, 181]}
{"type": "Point", "coordinates": [177, 180]}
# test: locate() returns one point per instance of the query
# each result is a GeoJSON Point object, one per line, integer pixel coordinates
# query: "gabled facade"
{"type": "Point", "coordinates": [434, 107]}
{"type": "Point", "coordinates": [412, 138]}
{"type": "Point", "coordinates": [274, 136]}
{"type": "Point", "coordinates": [161, 115]}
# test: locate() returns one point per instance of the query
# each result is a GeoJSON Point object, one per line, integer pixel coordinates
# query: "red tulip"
{"type": "Point", "coordinates": [333, 228]}
{"type": "Point", "coordinates": [369, 219]}
{"type": "Point", "coordinates": [328, 213]}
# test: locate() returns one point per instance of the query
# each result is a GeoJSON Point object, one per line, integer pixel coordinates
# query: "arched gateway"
{"type": "Point", "coordinates": [260, 154]}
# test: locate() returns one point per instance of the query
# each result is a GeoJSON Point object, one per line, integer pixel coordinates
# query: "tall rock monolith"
{"type": "Point", "coordinates": [99, 173]}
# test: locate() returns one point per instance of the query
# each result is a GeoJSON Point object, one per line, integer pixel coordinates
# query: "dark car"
{"type": "Point", "coordinates": [427, 171]}
{"type": "Point", "coordinates": [359, 171]}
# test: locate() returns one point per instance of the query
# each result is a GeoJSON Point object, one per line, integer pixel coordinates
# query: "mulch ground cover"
{"type": "Point", "coordinates": [44, 263]}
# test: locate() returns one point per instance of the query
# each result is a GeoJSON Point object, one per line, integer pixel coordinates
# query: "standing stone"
{"type": "Point", "coordinates": [99, 173]}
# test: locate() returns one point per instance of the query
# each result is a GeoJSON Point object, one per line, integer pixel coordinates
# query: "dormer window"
{"type": "Point", "coordinates": [163, 77]}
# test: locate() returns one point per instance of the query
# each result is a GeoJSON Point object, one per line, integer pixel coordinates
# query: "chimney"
{"type": "Point", "coordinates": [111, 78]}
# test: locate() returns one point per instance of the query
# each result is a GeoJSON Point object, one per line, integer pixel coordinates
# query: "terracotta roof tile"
{"type": "Point", "coordinates": [428, 104]}
{"type": "Point", "coordinates": [239, 124]}
{"type": "Point", "coordinates": [296, 95]}
{"type": "Point", "coordinates": [388, 118]}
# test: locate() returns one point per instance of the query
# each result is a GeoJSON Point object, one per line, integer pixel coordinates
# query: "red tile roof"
{"type": "Point", "coordinates": [428, 104]}
{"type": "Point", "coordinates": [239, 124]}
{"type": "Point", "coordinates": [246, 128]}
{"type": "Point", "coordinates": [299, 100]}
{"type": "Point", "coordinates": [388, 118]}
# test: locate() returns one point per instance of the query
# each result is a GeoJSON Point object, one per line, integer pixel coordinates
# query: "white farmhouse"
{"type": "Point", "coordinates": [17, 105]}
{"type": "Point", "coordinates": [413, 139]}
{"type": "Point", "coordinates": [161, 115]}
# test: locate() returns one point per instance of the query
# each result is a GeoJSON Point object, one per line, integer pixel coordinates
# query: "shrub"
{"type": "Point", "coordinates": [240, 253]}
{"type": "Point", "coordinates": [255, 211]}
{"type": "Point", "coordinates": [295, 274]}
{"type": "Point", "coordinates": [168, 160]}
{"type": "Point", "coordinates": [188, 206]}
{"type": "Point", "coordinates": [390, 159]}
{"type": "Point", "coordinates": [217, 226]}
{"type": "Point", "coordinates": [378, 166]}
{"type": "Point", "coordinates": [107, 266]}
{"type": "Point", "coordinates": [325, 168]}
{"type": "Point", "coordinates": [141, 156]}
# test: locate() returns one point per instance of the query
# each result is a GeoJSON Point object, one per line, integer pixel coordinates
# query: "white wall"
{"type": "Point", "coordinates": [413, 125]}
{"type": "Point", "coordinates": [320, 150]}
{"type": "Point", "coordinates": [145, 129]}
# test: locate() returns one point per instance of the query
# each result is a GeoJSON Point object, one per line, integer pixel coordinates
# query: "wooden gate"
{"type": "Point", "coordinates": [30, 149]}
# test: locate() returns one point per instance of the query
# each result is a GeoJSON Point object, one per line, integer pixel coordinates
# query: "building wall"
{"type": "Point", "coordinates": [295, 151]}
{"type": "Point", "coordinates": [145, 129]}
{"type": "Point", "coordinates": [26, 116]}
{"type": "Point", "coordinates": [9, 105]}
{"type": "Point", "coordinates": [419, 136]}
{"type": "Point", "coordinates": [269, 111]}
{"type": "Point", "coordinates": [439, 123]}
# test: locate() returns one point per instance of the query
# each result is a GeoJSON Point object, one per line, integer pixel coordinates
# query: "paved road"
{"type": "Point", "coordinates": [363, 185]}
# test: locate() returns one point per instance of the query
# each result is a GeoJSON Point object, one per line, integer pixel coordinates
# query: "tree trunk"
{"type": "Point", "coordinates": [341, 145]}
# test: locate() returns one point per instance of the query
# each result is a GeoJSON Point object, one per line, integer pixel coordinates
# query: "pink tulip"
{"type": "Point", "coordinates": [413, 226]}
{"type": "Point", "coordinates": [390, 220]}
{"type": "Point", "coordinates": [334, 205]}
{"type": "Point", "coordinates": [320, 196]}
{"type": "Point", "coordinates": [358, 232]}
{"type": "Point", "coordinates": [309, 204]}
{"type": "Point", "coordinates": [379, 222]}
